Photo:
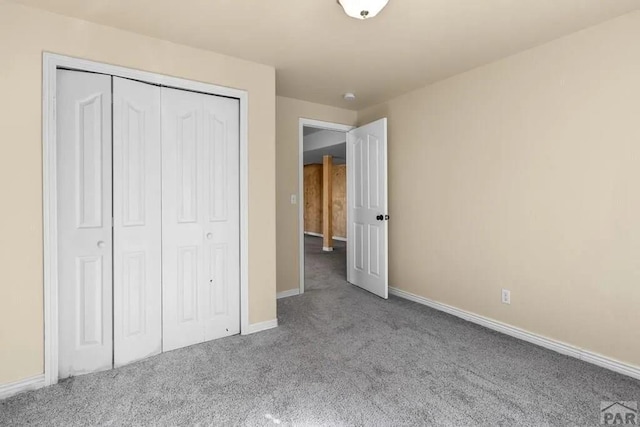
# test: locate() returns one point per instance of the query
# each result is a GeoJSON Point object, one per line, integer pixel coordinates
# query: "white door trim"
{"type": "Point", "coordinates": [302, 122]}
{"type": "Point", "coordinates": [50, 63]}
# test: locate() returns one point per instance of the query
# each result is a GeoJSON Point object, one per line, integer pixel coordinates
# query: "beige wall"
{"type": "Point", "coordinates": [529, 179]}
{"type": "Point", "coordinates": [24, 34]}
{"type": "Point", "coordinates": [288, 113]}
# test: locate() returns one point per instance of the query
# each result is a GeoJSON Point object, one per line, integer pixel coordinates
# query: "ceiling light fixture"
{"type": "Point", "coordinates": [362, 9]}
{"type": "Point", "coordinates": [349, 96]}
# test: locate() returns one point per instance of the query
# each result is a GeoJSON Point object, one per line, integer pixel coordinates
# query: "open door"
{"type": "Point", "coordinates": [367, 216]}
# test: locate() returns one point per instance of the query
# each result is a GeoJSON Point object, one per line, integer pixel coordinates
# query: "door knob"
{"type": "Point", "coordinates": [209, 236]}
{"type": "Point", "coordinates": [380, 217]}
{"type": "Point", "coordinates": [101, 244]}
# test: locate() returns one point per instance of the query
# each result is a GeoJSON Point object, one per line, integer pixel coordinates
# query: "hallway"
{"type": "Point", "coordinates": [324, 270]}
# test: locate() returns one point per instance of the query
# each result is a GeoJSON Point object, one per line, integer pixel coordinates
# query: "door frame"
{"type": "Point", "coordinates": [51, 62]}
{"type": "Point", "coordinates": [302, 122]}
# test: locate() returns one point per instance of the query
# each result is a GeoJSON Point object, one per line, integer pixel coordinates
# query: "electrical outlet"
{"type": "Point", "coordinates": [506, 296]}
{"type": "Point", "coordinates": [294, 199]}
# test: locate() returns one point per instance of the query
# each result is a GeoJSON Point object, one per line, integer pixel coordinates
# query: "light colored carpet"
{"type": "Point", "coordinates": [340, 357]}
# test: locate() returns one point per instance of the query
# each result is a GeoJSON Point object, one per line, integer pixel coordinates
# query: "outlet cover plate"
{"type": "Point", "coordinates": [506, 296]}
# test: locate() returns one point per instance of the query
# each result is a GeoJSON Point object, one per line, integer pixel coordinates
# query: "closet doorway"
{"type": "Point", "coordinates": [145, 214]}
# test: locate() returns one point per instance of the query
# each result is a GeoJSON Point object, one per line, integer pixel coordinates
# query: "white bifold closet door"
{"type": "Point", "coordinates": [148, 220]}
{"type": "Point", "coordinates": [109, 226]}
{"type": "Point", "coordinates": [83, 112]}
{"type": "Point", "coordinates": [200, 217]}
{"type": "Point", "coordinates": [137, 221]}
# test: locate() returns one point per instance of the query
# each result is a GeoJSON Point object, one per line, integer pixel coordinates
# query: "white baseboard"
{"type": "Point", "coordinates": [262, 326]}
{"type": "Point", "coordinates": [31, 383]}
{"type": "Point", "coordinates": [551, 344]}
{"type": "Point", "coordinates": [289, 293]}
{"type": "Point", "coordinates": [311, 233]}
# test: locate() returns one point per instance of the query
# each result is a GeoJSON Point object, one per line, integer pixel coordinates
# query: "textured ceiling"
{"type": "Point", "coordinates": [320, 53]}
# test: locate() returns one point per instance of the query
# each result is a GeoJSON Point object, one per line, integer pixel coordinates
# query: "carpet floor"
{"type": "Point", "coordinates": [340, 356]}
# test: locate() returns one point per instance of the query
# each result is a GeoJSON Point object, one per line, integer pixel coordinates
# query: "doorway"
{"type": "Point", "coordinates": [366, 201]}
{"type": "Point", "coordinates": [323, 204]}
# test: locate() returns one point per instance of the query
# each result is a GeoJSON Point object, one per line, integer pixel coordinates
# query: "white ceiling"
{"type": "Point", "coordinates": [339, 153]}
{"type": "Point", "coordinates": [321, 142]}
{"type": "Point", "coordinates": [320, 53]}
{"type": "Point", "coordinates": [307, 130]}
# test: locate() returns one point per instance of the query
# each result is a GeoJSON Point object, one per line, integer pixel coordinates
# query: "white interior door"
{"type": "Point", "coordinates": [367, 254]}
{"type": "Point", "coordinates": [200, 217]}
{"type": "Point", "coordinates": [83, 110]}
{"type": "Point", "coordinates": [137, 255]}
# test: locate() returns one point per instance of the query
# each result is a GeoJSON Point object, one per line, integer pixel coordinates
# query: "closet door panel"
{"type": "Point", "coordinates": [137, 280]}
{"type": "Point", "coordinates": [183, 213]}
{"type": "Point", "coordinates": [201, 218]}
{"type": "Point", "coordinates": [222, 222]}
{"type": "Point", "coordinates": [83, 112]}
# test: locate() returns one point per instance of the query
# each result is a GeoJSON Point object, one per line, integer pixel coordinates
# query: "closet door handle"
{"type": "Point", "coordinates": [101, 244]}
{"type": "Point", "coordinates": [209, 236]}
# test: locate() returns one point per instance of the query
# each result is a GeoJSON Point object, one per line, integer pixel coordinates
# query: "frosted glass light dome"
{"type": "Point", "coordinates": [362, 9]}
